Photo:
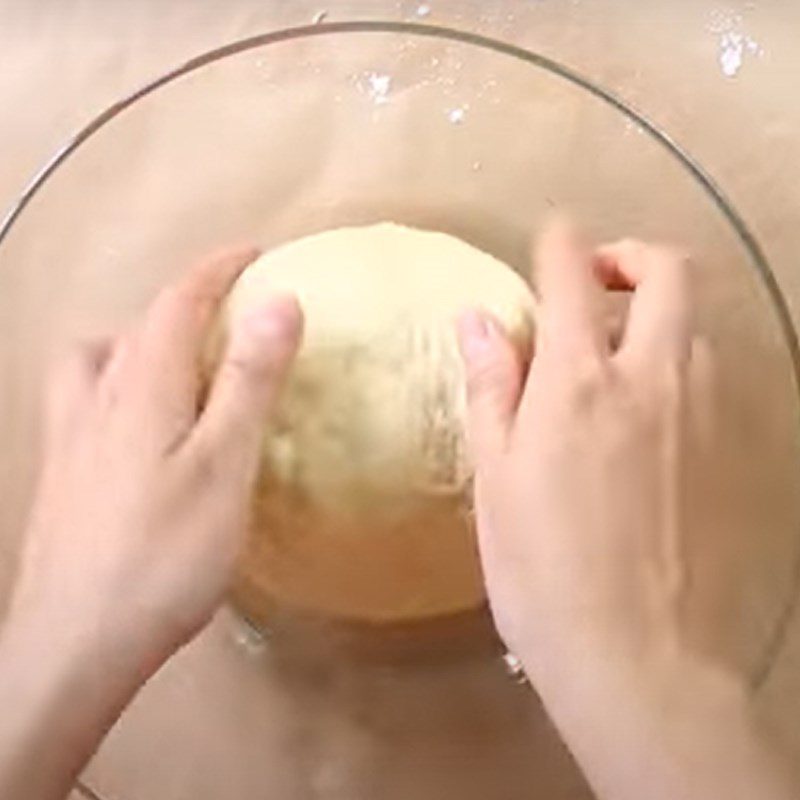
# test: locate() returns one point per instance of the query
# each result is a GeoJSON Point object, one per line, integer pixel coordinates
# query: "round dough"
{"type": "Point", "coordinates": [362, 506]}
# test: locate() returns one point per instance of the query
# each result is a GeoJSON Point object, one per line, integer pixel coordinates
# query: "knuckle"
{"type": "Point", "coordinates": [656, 391]}
{"type": "Point", "coordinates": [205, 467]}
{"type": "Point", "coordinates": [485, 378]}
{"type": "Point", "coordinates": [666, 255]}
{"type": "Point", "coordinates": [589, 379]}
{"type": "Point", "coordinates": [182, 299]}
{"type": "Point", "coordinates": [634, 411]}
{"type": "Point", "coordinates": [634, 420]}
{"type": "Point", "coordinates": [200, 301]}
{"type": "Point", "coordinates": [669, 380]}
{"type": "Point", "coordinates": [170, 298]}
{"type": "Point", "coordinates": [581, 382]}
{"type": "Point", "coordinates": [630, 247]}
{"type": "Point", "coordinates": [242, 369]}
{"type": "Point", "coordinates": [678, 256]}
{"type": "Point", "coordinates": [672, 260]}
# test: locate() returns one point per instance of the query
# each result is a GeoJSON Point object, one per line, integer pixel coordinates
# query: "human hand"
{"type": "Point", "coordinates": [141, 508]}
{"type": "Point", "coordinates": [580, 502]}
{"type": "Point", "coordinates": [579, 493]}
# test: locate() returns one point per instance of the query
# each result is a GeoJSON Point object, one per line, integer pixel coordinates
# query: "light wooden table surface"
{"type": "Point", "coordinates": [720, 77]}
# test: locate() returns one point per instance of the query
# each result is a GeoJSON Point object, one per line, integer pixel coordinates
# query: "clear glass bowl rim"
{"type": "Point", "coordinates": [749, 242]}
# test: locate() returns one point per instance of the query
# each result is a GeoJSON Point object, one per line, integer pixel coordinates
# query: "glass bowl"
{"type": "Point", "coordinates": [296, 131]}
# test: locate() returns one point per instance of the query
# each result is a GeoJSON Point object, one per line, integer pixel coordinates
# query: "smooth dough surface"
{"type": "Point", "coordinates": [362, 509]}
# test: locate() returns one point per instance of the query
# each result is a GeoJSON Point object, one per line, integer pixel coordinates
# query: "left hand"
{"type": "Point", "coordinates": [141, 509]}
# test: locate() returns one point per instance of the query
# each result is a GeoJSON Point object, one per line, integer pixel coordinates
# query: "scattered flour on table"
{"type": "Point", "coordinates": [377, 86]}
{"type": "Point", "coordinates": [734, 44]}
{"type": "Point", "coordinates": [457, 115]}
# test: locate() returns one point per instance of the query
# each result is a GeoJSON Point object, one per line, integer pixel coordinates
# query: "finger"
{"type": "Point", "coordinates": [609, 275]}
{"type": "Point", "coordinates": [494, 382]}
{"type": "Point", "coordinates": [194, 299]}
{"type": "Point", "coordinates": [659, 320]}
{"type": "Point", "coordinates": [73, 381]}
{"type": "Point", "coordinates": [260, 351]}
{"type": "Point", "coordinates": [174, 334]}
{"type": "Point", "coordinates": [121, 357]}
{"type": "Point", "coordinates": [703, 393]}
{"type": "Point", "coordinates": [570, 313]}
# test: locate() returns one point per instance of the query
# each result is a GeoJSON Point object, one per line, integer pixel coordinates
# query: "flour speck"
{"type": "Point", "coordinates": [457, 115]}
{"type": "Point", "coordinates": [754, 47]}
{"type": "Point", "coordinates": [731, 53]}
{"type": "Point", "coordinates": [734, 45]}
{"type": "Point", "coordinates": [632, 127]}
{"type": "Point", "coordinates": [377, 86]}
{"type": "Point", "coordinates": [424, 10]}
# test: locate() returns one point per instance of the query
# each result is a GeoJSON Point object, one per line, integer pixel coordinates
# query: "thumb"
{"type": "Point", "coordinates": [494, 382]}
{"type": "Point", "coordinates": [260, 350]}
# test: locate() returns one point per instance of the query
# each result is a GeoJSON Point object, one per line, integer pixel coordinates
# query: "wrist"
{"type": "Point", "coordinates": [673, 699]}
{"type": "Point", "coordinates": [54, 655]}
{"type": "Point", "coordinates": [59, 697]}
{"type": "Point", "coordinates": [679, 724]}
{"type": "Point", "coordinates": [663, 691]}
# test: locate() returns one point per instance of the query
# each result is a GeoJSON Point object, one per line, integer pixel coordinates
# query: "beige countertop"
{"type": "Point", "coordinates": [231, 718]}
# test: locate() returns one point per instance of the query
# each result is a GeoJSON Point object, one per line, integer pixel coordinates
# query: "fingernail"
{"type": "Point", "coordinates": [277, 321]}
{"type": "Point", "coordinates": [474, 334]}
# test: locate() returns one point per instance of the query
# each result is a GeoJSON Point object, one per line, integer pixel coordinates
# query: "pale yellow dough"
{"type": "Point", "coordinates": [362, 508]}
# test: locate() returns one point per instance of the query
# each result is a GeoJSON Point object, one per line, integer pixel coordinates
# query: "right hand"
{"type": "Point", "coordinates": [580, 495]}
{"type": "Point", "coordinates": [580, 464]}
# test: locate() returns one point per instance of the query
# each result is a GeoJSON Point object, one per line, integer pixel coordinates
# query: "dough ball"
{"type": "Point", "coordinates": [362, 508]}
